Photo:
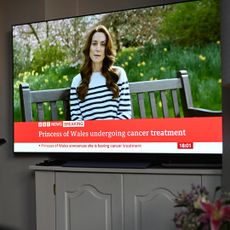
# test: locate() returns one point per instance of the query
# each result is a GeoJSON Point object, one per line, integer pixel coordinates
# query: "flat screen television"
{"type": "Point", "coordinates": [151, 43]}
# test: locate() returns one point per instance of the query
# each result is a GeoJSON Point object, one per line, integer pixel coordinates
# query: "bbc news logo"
{"type": "Point", "coordinates": [44, 124]}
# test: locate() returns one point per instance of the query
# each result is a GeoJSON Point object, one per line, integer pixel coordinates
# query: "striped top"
{"type": "Point", "coordinates": [98, 103]}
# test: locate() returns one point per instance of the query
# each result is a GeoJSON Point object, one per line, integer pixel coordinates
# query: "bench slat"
{"type": "Point", "coordinates": [153, 104]}
{"type": "Point", "coordinates": [141, 104]}
{"type": "Point", "coordinates": [49, 95]}
{"type": "Point", "coordinates": [40, 111]}
{"type": "Point", "coordinates": [175, 103]}
{"type": "Point", "coordinates": [155, 85]}
{"type": "Point", "coordinates": [54, 110]}
{"type": "Point", "coordinates": [164, 104]}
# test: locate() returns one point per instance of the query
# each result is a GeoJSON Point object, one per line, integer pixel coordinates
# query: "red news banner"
{"type": "Point", "coordinates": [179, 130]}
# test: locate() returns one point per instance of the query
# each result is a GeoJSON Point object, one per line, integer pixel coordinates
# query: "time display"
{"type": "Point", "coordinates": [185, 145]}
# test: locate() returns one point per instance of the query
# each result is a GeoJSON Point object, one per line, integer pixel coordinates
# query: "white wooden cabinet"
{"type": "Point", "coordinates": [112, 199]}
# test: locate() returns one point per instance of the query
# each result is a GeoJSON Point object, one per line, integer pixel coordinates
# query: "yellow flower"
{"type": "Point", "coordinates": [16, 85]}
{"type": "Point", "coordinates": [65, 77]}
{"type": "Point", "coordinates": [139, 64]}
{"type": "Point", "coordinates": [160, 104]}
{"type": "Point", "coordinates": [25, 78]}
{"type": "Point", "coordinates": [60, 111]}
{"type": "Point", "coordinates": [141, 74]}
{"type": "Point", "coordinates": [143, 63]}
{"type": "Point", "coordinates": [46, 67]}
{"type": "Point", "coordinates": [26, 74]}
{"type": "Point", "coordinates": [162, 68]}
{"type": "Point", "coordinates": [126, 63]}
{"type": "Point", "coordinates": [220, 81]}
{"type": "Point", "coordinates": [165, 49]}
{"type": "Point", "coordinates": [202, 57]}
{"type": "Point", "coordinates": [46, 80]}
{"type": "Point", "coordinates": [60, 81]}
{"type": "Point", "coordinates": [130, 58]}
{"type": "Point", "coordinates": [218, 42]}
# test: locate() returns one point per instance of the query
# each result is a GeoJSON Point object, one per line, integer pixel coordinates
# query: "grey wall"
{"type": "Point", "coordinates": [225, 33]}
{"type": "Point", "coordinates": [17, 195]}
{"type": "Point", "coordinates": [16, 182]}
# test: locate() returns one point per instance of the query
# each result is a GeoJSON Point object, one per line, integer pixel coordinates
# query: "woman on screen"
{"type": "Point", "coordinates": [100, 91]}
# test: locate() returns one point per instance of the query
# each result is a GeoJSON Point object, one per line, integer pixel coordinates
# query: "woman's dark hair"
{"type": "Point", "coordinates": [107, 71]}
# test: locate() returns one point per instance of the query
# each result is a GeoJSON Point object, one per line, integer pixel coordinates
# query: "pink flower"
{"type": "Point", "coordinates": [215, 213]}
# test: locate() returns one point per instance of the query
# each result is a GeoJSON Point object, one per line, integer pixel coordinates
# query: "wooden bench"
{"type": "Point", "coordinates": [174, 93]}
{"type": "Point", "coordinates": [28, 98]}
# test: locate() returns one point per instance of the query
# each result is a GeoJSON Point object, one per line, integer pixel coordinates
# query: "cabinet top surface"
{"type": "Point", "coordinates": [192, 171]}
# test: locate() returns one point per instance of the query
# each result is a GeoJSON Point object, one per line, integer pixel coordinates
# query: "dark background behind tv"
{"type": "Point", "coordinates": [17, 195]}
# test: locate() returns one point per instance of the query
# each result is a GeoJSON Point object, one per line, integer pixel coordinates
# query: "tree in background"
{"type": "Point", "coordinates": [39, 44]}
{"type": "Point", "coordinates": [133, 28]}
{"type": "Point", "coordinates": [191, 23]}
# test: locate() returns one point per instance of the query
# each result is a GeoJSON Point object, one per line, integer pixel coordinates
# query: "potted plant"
{"type": "Point", "coordinates": [197, 212]}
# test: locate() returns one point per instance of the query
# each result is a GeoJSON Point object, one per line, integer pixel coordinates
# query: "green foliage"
{"type": "Point", "coordinates": [191, 23]}
{"type": "Point", "coordinates": [162, 61]}
{"type": "Point", "coordinates": [45, 54]}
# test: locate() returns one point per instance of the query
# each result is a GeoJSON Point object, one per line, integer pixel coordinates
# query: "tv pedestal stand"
{"type": "Point", "coordinates": [107, 164]}
{"type": "Point", "coordinates": [97, 164]}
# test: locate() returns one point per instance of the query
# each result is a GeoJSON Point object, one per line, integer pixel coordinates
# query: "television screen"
{"type": "Point", "coordinates": [104, 79]}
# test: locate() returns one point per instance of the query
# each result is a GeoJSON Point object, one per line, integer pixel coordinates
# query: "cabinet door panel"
{"type": "Point", "coordinates": [149, 200]}
{"type": "Point", "coordinates": [88, 201]}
